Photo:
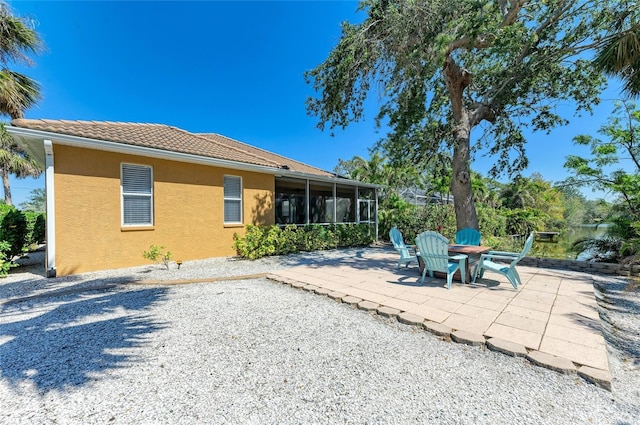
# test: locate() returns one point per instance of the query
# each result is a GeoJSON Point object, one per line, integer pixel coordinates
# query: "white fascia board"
{"type": "Point", "coordinates": [83, 142]}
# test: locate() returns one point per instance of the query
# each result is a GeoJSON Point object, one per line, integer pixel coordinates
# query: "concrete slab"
{"type": "Point", "coordinates": [335, 295]}
{"type": "Point", "coordinates": [410, 319]}
{"type": "Point", "coordinates": [388, 311]}
{"type": "Point", "coordinates": [507, 347]}
{"type": "Point", "coordinates": [368, 305]}
{"type": "Point", "coordinates": [559, 364]}
{"type": "Point", "coordinates": [598, 377]}
{"type": "Point", "coordinates": [468, 338]}
{"type": "Point", "coordinates": [351, 300]}
{"type": "Point", "coordinates": [437, 328]}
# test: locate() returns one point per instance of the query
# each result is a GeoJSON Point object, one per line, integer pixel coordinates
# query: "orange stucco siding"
{"type": "Point", "coordinates": [187, 204]}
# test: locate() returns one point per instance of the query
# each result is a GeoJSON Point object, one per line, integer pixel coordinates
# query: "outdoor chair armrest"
{"type": "Point", "coordinates": [505, 253]}
{"type": "Point", "coordinates": [458, 257]}
{"type": "Point", "coordinates": [491, 257]}
{"type": "Point", "coordinates": [434, 256]}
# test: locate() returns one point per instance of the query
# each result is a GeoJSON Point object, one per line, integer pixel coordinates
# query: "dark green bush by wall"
{"type": "Point", "coordinates": [18, 231]}
{"type": "Point", "coordinates": [13, 229]}
{"type": "Point", "coordinates": [35, 228]}
{"type": "Point", "coordinates": [261, 241]}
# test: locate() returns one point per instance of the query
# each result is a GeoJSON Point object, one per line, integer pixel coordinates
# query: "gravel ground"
{"type": "Point", "coordinates": [256, 352]}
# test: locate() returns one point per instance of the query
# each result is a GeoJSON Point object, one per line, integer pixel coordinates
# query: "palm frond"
{"type": "Point", "coordinates": [17, 93]}
{"type": "Point", "coordinates": [17, 37]}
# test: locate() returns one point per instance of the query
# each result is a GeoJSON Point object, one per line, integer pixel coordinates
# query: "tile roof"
{"type": "Point", "coordinates": [173, 139]}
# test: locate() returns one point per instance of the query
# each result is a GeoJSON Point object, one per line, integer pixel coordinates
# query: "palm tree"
{"type": "Point", "coordinates": [17, 93]}
{"type": "Point", "coordinates": [371, 170]}
{"type": "Point", "coordinates": [619, 55]}
{"type": "Point", "coordinates": [14, 159]}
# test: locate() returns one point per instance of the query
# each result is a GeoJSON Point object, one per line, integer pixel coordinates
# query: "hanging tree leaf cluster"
{"type": "Point", "coordinates": [443, 68]}
{"type": "Point", "coordinates": [18, 92]}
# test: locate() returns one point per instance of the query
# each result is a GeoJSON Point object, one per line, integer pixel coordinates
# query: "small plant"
{"type": "Point", "coordinates": [5, 263]}
{"type": "Point", "coordinates": [157, 253]}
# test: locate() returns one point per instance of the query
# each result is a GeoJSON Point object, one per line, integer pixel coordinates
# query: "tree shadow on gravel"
{"type": "Point", "coordinates": [618, 309]}
{"type": "Point", "coordinates": [71, 340]}
{"type": "Point", "coordinates": [356, 258]}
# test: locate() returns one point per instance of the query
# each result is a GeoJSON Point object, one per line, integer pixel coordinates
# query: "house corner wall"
{"type": "Point", "coordinates": [188, 210]}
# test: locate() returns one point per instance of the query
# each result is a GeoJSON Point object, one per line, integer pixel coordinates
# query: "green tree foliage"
{"type": "Point", "coordinates": [597, 211]}
{"type": "Point", "coordinates": [575, 205]}
{"type": "Point", "coordinates": [444, 68]}
{"type": "Point", "coordinates": [18, 92]}
{"type": "Point", "coordinates": [603, 171]}
{"type": "Point", "coordinates": [372, 170]}
{"type": "Point", "coordinates": [14, 159]}
{"type": "Point", "coordinates": [36, 202]}
{"type": "Point", "coordinates": [538, 203]}
{"type": "Point", "coordinates": [619, 56]}
{"type": "Point", "coordinates": [622, 140]}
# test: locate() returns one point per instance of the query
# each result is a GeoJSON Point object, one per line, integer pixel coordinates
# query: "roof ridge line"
{"type": "Point", "coordinates": [273, 153]}
{"type": "Point", "coordinates": [204, 137]}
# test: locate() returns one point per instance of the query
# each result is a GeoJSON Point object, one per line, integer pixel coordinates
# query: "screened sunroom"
{"type": "Point", "coordinates": [305, 201]}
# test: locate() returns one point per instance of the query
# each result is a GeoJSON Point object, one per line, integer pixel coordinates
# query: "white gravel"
{"type": "Point", "coordinates": [257, 352]}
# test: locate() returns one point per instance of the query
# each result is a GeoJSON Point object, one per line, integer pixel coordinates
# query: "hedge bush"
{"type": "Point", "coordinates": [262, 241]}
{"type": "Point", "coordinates": [13, 229]}
{"type": "Point", "coordinates": [18, 231]}
{"type": "Point", "coordinates": [35, 233]}
{"type": "Point", "coordinates": [5, 263]}
{"type": "Point", "coordinates": [412, 220]}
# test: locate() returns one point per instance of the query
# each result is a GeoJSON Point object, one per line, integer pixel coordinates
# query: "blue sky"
{"type": "Point", "coordinates": [233, 68]}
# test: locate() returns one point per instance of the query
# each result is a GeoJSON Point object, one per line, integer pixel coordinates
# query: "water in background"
{"type": "Point", "coordinates": [562, 248]}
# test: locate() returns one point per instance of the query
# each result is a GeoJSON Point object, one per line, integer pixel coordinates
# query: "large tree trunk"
{"type": "Point", "coordinates": [457, 80]}
{"type": "Point", "coordinates": [6, 186]}
{"type": "Point", "coordinates": [461, 181]}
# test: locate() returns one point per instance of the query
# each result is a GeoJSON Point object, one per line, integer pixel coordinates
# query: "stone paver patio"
{"type": "Point", "coordinates": [552, 319]}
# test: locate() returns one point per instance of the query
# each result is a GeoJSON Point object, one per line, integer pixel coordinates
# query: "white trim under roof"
{"type": "Point", "coordinates": [83, 142]}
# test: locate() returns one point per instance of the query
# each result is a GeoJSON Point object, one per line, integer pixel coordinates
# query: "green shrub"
{"type": "Point", "coordinates": [413, 220]}
{"type": "Point", "coordinates": [40, 228]}
{"type": "Point", "coordinates": [158, 253]}
{"type": "Point", "coordinates": [523, 221]}
{"type": "Point", "coordinates": [492, 222]}
{"type": "Point", "coordinates": [35, 231]}
{"type": "Point", "coordinates": [13, 229]}
{"type": "Point", "coordinates": [5, 263]}
{"type": "Point", "coordinates": [262, 241]}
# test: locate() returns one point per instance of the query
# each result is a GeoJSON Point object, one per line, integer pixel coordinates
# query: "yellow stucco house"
{"type": "Point", "coordinates": [114, 189]}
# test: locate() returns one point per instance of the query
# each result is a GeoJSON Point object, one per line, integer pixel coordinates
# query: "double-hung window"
{"type": "Point", "coordinates": [136, 183]}
{"type": "Point", "coordinates": [232, 199]}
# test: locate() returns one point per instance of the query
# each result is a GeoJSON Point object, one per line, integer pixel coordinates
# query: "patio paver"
{"type": "Point", "coordinates": [553, 313]}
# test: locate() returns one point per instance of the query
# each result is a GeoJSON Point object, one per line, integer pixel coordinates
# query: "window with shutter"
{"type": "Point", "coordinates": [232, 199]}
{"type": "Point", "coordinates": [137, 195]}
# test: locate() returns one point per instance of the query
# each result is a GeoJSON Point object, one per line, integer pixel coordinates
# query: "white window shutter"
{"type": "Point", "coordinates": [137, 195]}
{"type": "Point", "coordinates": [232, 199]}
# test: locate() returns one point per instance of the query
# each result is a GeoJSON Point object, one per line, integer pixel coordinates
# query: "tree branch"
{"type": "Point", "coordinates": [510, 14]}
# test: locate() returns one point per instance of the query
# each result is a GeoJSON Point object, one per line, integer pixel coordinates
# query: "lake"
{"type": "Point", "coordinates": [562, 248]}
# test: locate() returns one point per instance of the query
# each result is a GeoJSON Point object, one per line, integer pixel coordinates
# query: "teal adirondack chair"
{"type": "Point", "coordinates": [433, 249]}
{"type": "Point", "coordinates": [507, 269]}
{"type": "Point", "coordinates": [468, 236]}
{"type": "Point", "coordinates": [407, 252]}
